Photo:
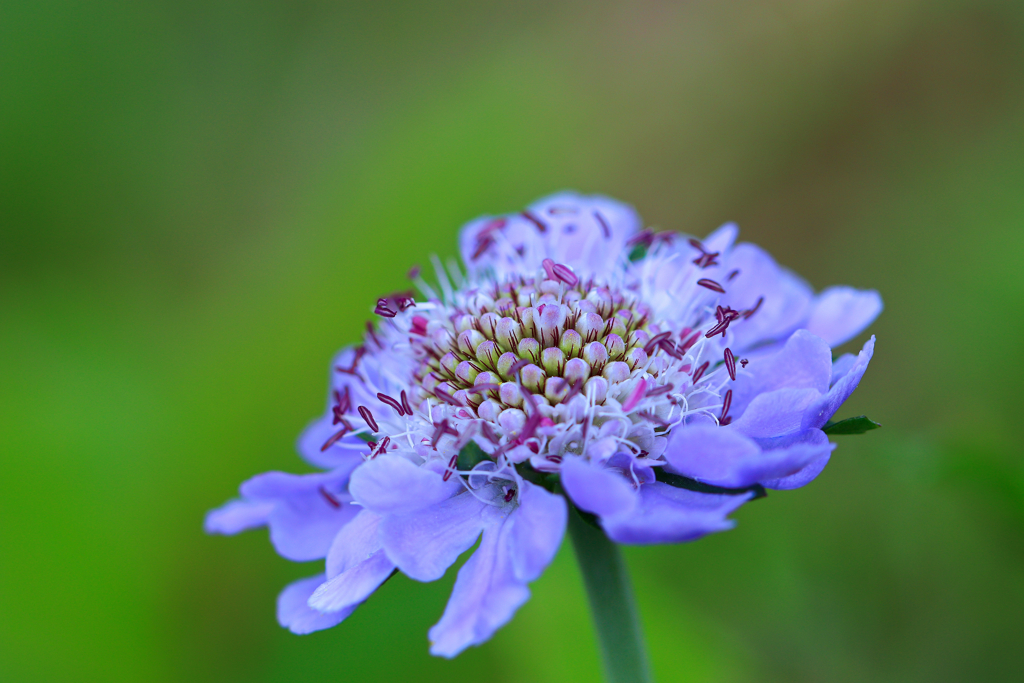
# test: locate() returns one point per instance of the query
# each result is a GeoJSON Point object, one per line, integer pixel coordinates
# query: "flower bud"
{"type": "Point", "coordinates": [638, 338]}
{"type": "Point", "coordinates": [555, 389]}
{"type": "Point", "coordinates": [636, 357]}
{"type": "Point", "coordinates": [533, 378]}
{"type": "Point", "coordinates": [505, 363]}
{"type": "Point", "coordinates": [466, 372]}
{"type": "Point", "coordinates": [590, 326]}
{"type": "Point", "coordinates": [464, 322]}
{"type": "Point", "coordinates": [510, 394]}
{"type": "Point", "coordinates": [529, 349]}
{"type": "Point", "coordinates": [488, 322]}
{"type": "Point", "coordinates": [487, 353]}
{"type": "Point", "coordinates": [512, 420]}
{"type": "Point", "coordinates": [595, 354]}
{"type": "Point", "coordinates": [616, 371]}
{"type": "Point", "coordinates": [529, 317]}
{"type": "Point", "coordinates": [469, 340]}
{"type": "Point", "coordinates": [487, 377]}
{"type": "Point", "coordinates": [504, 304]}
{"type": "Point", "coordinates": [616, 347]}
{"type": "Point", "coordinates": [596, 389]}
{"type": "Point", "coordinates": [618, 326]}
{"type": "Point", "coordinates": [576, 370]}
{"type": "Point", "coordinates": [571, 343]}
{"type": "Point", "coordinates": [489, 410]}
{"type": "Point", "coordinates": [507, 333]}
{"type": "Point", "coordinates": [553, 360]}
{"type": "Point", "coordinates": [524, 294]}
{"type": "Point", "coordinates": [449, 362]}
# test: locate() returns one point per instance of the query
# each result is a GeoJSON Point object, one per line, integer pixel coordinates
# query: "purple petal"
{"type": "Point", "coordinates": [237, 515]}
{"type": "Point", "coordinates": [302, 527]}
{"type": "Point", "coordinates": [423, 544]}
{"type": "Point", "coordinates": [357, 541]}
{"type": "Point", "coordinates": [787, 298]}
{"type": "Point", "coordinates": [670, 515]}
{"type": "Point", "coordinates": [485, 596]}
{"type": "Point", "coordinates": [816, 447]}
{"type": "Point", "coordinates": [726, 458]}
{"type": "Point", "coordinates": [841, 366]}
{"type": "Point", "coordinates": [597, 489]}
{"type": "Point", "coordinates": [840, 313]}
{"type": "Point", "coordinates": [538, 525]}
{"type": "Point", "coordinates": [345, 452]}
{"type": "Point", "coordinates": [354, 585]}
{"type": "Point", "coordinates": [392, 485]}
{"type": "Point", "coordinates": [295, 614]}
{"type": "Point", "coordinates": [722, 239]}
{"type": "Point", "coordinates": [775, 413]}
{"type": "Point", "coordinates": [804, 362]}
{"type": "Point", "coordinates": [824, 408]}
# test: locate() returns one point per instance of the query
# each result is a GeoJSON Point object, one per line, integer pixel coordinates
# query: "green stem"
{"type": "Point", "coordinates": [611, 602]}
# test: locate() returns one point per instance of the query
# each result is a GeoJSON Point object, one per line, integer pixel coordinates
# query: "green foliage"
{"type": "Point", "coordinates": [851, 425]}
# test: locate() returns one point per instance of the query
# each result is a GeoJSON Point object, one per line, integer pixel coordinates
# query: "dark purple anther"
{"type": "Point", "coordinates": [451, 467]}
{"type": "Point", "coordinates": [752, 311]}
{"type": "Point", "coordinates": [419, 326]}
{"type": "Point", "coordinates": [372, 334]}
{"type": "Point", "coordinates": [405, 403]}
{"type": "Point", "coordinates": [488, 432]}
{"type": "Point", "coordinates": [536, 221]}
{"type": "Point", "coordinates": [446, 397]}
{"type": "Point", "coordinates": [405, 302]}
{"type": "Point", "coordinates": [331, 500]}
{"type": "Point", "coordinates": [565, 274]}
{"type": "Point", "coordinates": [670, 348]}
{"type": "Point", "coordinates": [509, 495]}
{"type": "Point", "coordinates": [549, 268]}
{"type": "Point", "coordinates": [743, 362]}
{"type": "Point", "coordinates": [368, 418]}
{"type": "Point", "coordinates": [644, 237]}
{"type": "Point", "coordinates": [700, 371]}
{"type": "Point", "coordinates": [557, 459]}
{"type": "Point", "coordinates": [696, 245]}
{"type": "Point", "coordinates": [711, 284]}
{"type": "Point", "coordinates": [413, 273]}
{"type": "Point", "coordinates": [685, 346]}
{"type": "Point", "coordinates": [351, 369]}
{"type": "Point", "coordinates": [731, 275]}
{"type": "Point", "coordinates": [725, 407]}
{"type": "Point", "coordinates": [384, 398]}
{"type": "Point", "coordinates": [342, 403]}
{"type": "Point", "coordinates": [483, 388]}
{"type": "Point", "coordinates": [719, 328]}
{"type": "Point", "coordinates": [730, 363]}
{"type": "Point", "coordinates": [334, 437]}
{"type": "Point", "coordinates": [439, 429]}
{"type": "Point", "coordinates": [604, 225]}
{"type": "Point", "coordinates": [658, 391]}
{"type": "Point", "coordinates": [654, 341]}
{"type": "Point", "coordinates": [517, 366]}
{"type": "Point", "coordinates": [382, 309]}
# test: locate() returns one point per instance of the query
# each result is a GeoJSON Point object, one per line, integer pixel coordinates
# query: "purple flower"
{"type": "Point", "coordinates": [657, 381]}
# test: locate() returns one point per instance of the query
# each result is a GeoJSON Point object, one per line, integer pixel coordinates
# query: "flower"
{"type": "Point", "coordinates": [654, 381]}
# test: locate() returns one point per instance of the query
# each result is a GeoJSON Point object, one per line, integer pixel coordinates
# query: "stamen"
{"type": "Point", "coordinates": [334, 438]}
{"type": "Point", "coordinates": [382, 309]}
{"type": "Point", "coordinates": [725, 407]}
{"type": "Point", "coordinates": [752, 311]}
{"type": "Point", "coordinates": [658, 391]}
{"type": "Point", "coordinates": [509, 495]}
{"type": "Point", "coordinates": [644, 237]}
{"type": "Point", "coordinates": [405, 403]}
{"type": "Point", "coordinates": [331, 500]}
{"type": "Point", "coordinates": [719, 328]}
{"type": "Point", "coordinates": [730, 363]}
{"type": "Point", "coordinates": [419, 326]}
{"type": "Point", "coordinates": [549, 268]}
{"type": "Point", "coordinates": [565, 274]}
{"type": "Point", "coordinates": [536, 221]}
{"type": "Point", "coordinates": [351, 369]}
{"type": "Point", "coordinates": [604, 225]}
{"type": "Point", "coordinates": [636, 396]}
{"type": "Point", "coordinates": [743, 362]}
{"type": "Point", "coordinates": [654, 341]}
{"type": "Point", "coordinates": [731, 275]}
{"type": "Point", "coordinates": [711, 284]}
{"type": "Point", "coordinates": [483, 388]}
{"type": "Point", "coordinates": [488, 433]}
{"type": "Point", "coordinates": [446, 397]}
{"type": "Point", "coordinates": [405, 302]}
{"type": "Point", "coordinates": [384, 398]}
{"type": "Point", "coordinates": [685, 346]}
{"type": "Point", "coordinates": [372, 334]}
{"type": "Point", "coordinates": [700, 371]}
{"type": "Point", "coordinates": [451, 467]}
{"type": "Point", "coordinates": [368, 418]}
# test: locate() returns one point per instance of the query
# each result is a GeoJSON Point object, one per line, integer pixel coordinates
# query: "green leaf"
{"type": "Point", "coordinates": [851, 425]}
{"type": "Point", "coordinates": [681, 482]}
{"type": "Point", "coordinates": [637, 253]}
{"type": "Point", "coordinates": [366, 436]}
{"type": "Point", "coordinates": [470, 456]}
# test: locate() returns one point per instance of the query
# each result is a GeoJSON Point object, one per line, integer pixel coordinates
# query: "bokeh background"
{"type": "Point", "coordinates": [200, 201]}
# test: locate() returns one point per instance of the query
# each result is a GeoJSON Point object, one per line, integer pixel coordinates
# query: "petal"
{"type": "Point", "coordinates": [392, 484]}
{"type": "Point", "coordinates": [237, 515]}
{"type": "Point", "coordinates": [538, 525]}
{"type": "Point", "coordinates": [302, 527]}
{"type": "Point", "coordinates": [295, 614]}
{"type": "Point", "coordinates": [722, 239]}
{"type": "Point", "coordinates": [804, 362]}
{"type": "Point", "coordinates": [357, 541]}
{"type": "Point", "coordinates": [423, 544]}
{"type": "Point", "coordinates": [485, 596]}
{"type": "Point", "coordinates": [823, 409]}
{"type": "Point", "coordinates": [345, 452]}
{"type": "Point", "coordinates": [841, 366]}
{"type": "Point", "coordinates": [776, 413]}
{"type": "Point", "coordinates": [787, 298]}
{"type": "Point", "coordinates": [597, 489]}
{"type": "Point", "coordinates": [670, 515]}
{"type": "Point", "coordinates": [727, 458]}
{"type": "Point", "coordinates": [815, 445]}
{"type": "Point", "coordinates": [840, 313]}
{"type": "Point", "coordinates": [353, 586]}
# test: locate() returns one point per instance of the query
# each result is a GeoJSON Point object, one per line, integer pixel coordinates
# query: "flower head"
{"type": "Point", "coordinates": [656, 382]}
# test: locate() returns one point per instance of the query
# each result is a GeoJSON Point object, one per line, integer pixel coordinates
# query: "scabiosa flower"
{"type": "Point", "coordinates": [653, 381]}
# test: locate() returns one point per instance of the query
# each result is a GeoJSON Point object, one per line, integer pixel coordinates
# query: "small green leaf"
{"type": "Point", "coordinates": [470, 456]}
{"type": "Point", "coordinates": [851, 425]}
{"type": "Point", "coordinates": [681, 482]}
{"type": "Point", "coordinates": [366, 436]}
{"type": "Point", "coordinates": [637, 253]}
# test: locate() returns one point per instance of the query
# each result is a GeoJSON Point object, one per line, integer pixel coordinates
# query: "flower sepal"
{"type": "Point", "coordinates": [851, 425]}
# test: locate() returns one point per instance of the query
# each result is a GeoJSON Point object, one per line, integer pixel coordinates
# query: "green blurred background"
{"type": "Point", "coordinates": [200, 201]}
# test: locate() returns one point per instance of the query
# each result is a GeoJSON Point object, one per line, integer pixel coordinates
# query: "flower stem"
{"type": "Point", "coordinates": [611, 602]}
